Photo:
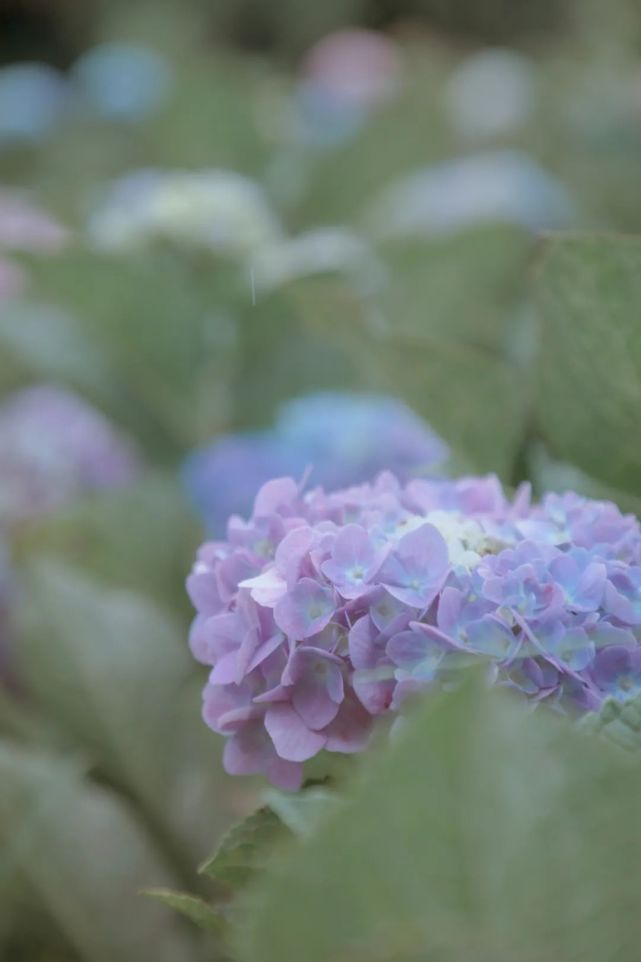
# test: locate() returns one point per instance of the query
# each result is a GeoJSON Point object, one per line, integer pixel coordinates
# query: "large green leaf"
{"type": "Point", "coordinates": [410, 128]}
{"type": "Point", "coordinates": [482, 833]}
{"type": "Point", "coordinates": [289, 344]}
{"type": "Point", "coordinates": [49, 344]}
{"type": "Point", "coordinates": [113, 670]}
{"type": "Point", "coordinates": [84, 857]}
{"type": "Point", "coordinates": [160, 320]}
{"type": "Point", "coordinates": [474, 400]}
{"type": "Point", "coordinates": [589, 399]}
{"type": "Point", "coordinates": [141, 537]}
{"type": "Point", "coordinates": [468, 285]}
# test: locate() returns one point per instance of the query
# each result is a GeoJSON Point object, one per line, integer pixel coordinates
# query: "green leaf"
{"type": "Point", "coordinates": [198, 911]}
{"type": "Point", "coordinates": [483, 832]}
{"type": "Point", "coordinates": [412, 125]}
{"type": "Point", "coordinates": [301, 812]}
{"type": "Point", "coordinates": [589, 398]}
{"type": "Point", "coordinates": [53, 345]}
{"type": "Point", "coordinates": [619, 721]}
{"type": "Point", "coordinates": [289, 346]}
{"type": "Point", "coordinates": [469, 285]}
{"type": "Point", "coordinates": [244, 850]}
{"type": "Point", "coordinates": [84, 857]}
{"type": "Point", "coordinates": [160, 321]}
{"type": "Point", "coordinates": [141, 537]}
{"type": "Point", "coordinates": [474, 400]}
{"type": "Point", "coordinates": [112, 669]}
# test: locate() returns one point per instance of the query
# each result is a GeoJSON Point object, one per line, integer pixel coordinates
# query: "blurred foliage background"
{"type": "Point", "coordinates": [202, 216]}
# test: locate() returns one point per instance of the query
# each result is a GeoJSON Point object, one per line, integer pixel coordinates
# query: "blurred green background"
{"type": "Point", "coordinates": [394, 229]}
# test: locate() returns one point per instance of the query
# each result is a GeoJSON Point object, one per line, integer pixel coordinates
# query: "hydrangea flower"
{"type": "Point", "coordinates": [345, 75]}
{"type": "Point", "coordinates": [491, 94]}
{"type": "Point", "coordinates": [54, 446]}
{"type": "Point", "coordinates": [326, 610]}
{"type": "Point", "coordinates": [219, 211]}
{"type": "Point", "coordinates": [24, 227]}
{"type": "Point", "coordinates": [345, 438]}
{"type": "Point", "coordinates": [33, 97]}
{"type": "Point", "coordinates": [486, 188]}
{"type": "Point", "coordinates": [124, 81]}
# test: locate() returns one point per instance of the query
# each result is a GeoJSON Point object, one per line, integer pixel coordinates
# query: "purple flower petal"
{"type": "Point", "coordinates": [351, 729]}
{"type": "Point", "coordinates": [305, 610]}
{"type": "Point", "coordinates": [415, 571]}
{"type": "Point", "coordinates": [276, 497]}
{"type": "Point", "coordinates": [292, 739]}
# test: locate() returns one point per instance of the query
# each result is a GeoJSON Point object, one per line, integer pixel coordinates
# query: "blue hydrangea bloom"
{"type": "Point", "coordinates": [124, 81]}
{"type": "Point", "coordinates": [32, 97]}
{"type": "Point", "coordinates": [486, 188]}
{"type": "Point", "coordinates": [342, 438]}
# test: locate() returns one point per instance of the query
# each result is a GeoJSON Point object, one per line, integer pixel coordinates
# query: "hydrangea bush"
{"type": "Point", "coordinates": [326, 610]}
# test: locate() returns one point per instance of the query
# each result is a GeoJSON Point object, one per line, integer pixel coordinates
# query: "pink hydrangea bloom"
{"type": "Point", "coordinates": [326, 610]}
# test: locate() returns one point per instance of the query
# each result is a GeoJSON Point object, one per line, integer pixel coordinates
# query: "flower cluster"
{"type": "Point", "coordinates": [212, 210]}
{"type": "Point", "coordinates": [325, 610]}
{"type": "Point", "coordinates": [490, 187]}
{"type": "Point", "coordinates": [54, 446]}
{"type": "Point", "coordinates": [346, 75]}
{"type": "Point", "coordinates": [347, 438]}
{"type": "Point", "coordinates": [24, 227]}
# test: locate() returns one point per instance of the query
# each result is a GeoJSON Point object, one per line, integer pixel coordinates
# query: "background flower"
{"type": "Point", "coordinates": [342, 438]}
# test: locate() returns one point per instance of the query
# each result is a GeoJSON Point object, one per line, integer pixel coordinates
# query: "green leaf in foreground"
{"type": "Point", "coordinates": [301, 812]}
{"type": "Point", "coordinates": [198, 911]}
{"type": "Point", "coordinates": [483, 833]}
{"type": "Point", "coordinates": [84, 857]}
{"type": "Point", "coordinates": [589, 399]}
{"type": "Point", "coordinates": [111, 669]}
{"type": "Point", "coordinates": [245, 848]}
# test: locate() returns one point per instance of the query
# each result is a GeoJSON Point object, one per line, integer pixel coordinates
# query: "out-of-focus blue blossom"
{"type": "Point", "coordinates": [493, 187]}
{"type": "Point", "coordinates": [124, 81]}
{"type": "Point", "coordinates": [322, 120]}
{"type": "Point", "coordinates": [491, 94]}
{"type": "Point", "coordinates": [32, 98]}
{"type": "Point", "coordinates": [345, 76]}
{"type": "Point", "coordinates": [221, 478]}
{"type": "Point", "coordinates": [347, 437]}
{"type": "Point", "coordinates": [216, 210]}
{"type": "Point", "coordinates": [55, 446]}
{"type": "Point", "coordinates": [342, 438]}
